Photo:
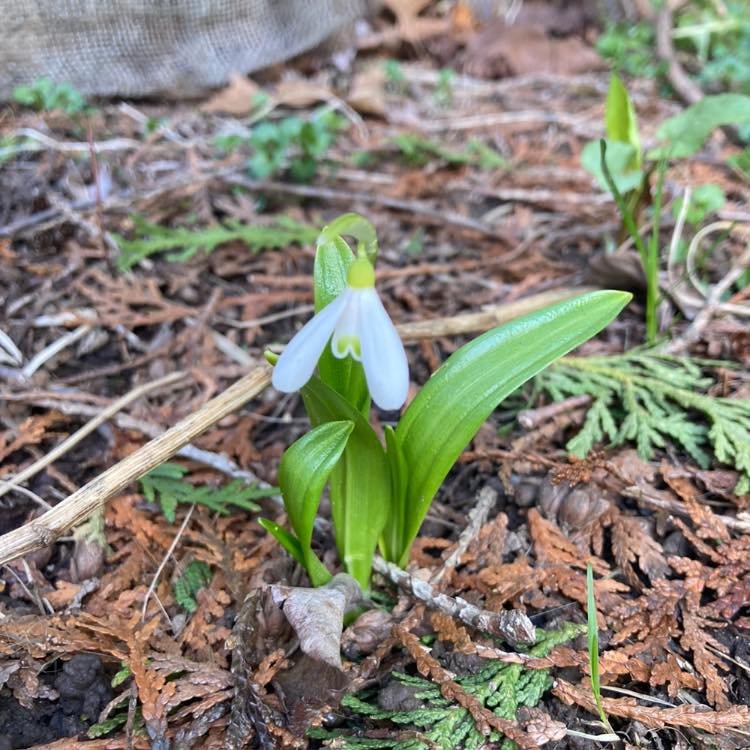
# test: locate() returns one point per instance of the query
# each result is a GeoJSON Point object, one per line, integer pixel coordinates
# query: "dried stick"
{"type": "Point", "coordinates": [687, 89]}
{"type": "Point", "coordinates": [677, 508]}
{"type": "Point", "coordinates": [486, 498]}
{"type": "Point", "coordinates": [44, 530]}
{"type": "Point", "coordinates": [513, 626]}
{"type": "Point", "coordinates": [530, 419]}
{"type": "Point", "coordinates": [488, 318]}
{"type": "Point", "coordinates": [59, 450]}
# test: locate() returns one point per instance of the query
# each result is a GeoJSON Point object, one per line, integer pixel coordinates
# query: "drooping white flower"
{"type": "Point", "coordinates": [358, 326]}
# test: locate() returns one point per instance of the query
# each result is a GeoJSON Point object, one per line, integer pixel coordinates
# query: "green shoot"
{"type": "Point", "coordinates": [293, 145]}
{"type": "Point", "coordinates": [45, 96]}
{"type": "Point", "coordinates": [443, 93]}
{"type": "Point", "coordinates": [418, 151]}
{"type": "Point", "coordinates": [380, 494]}
{"type": "Point", "coordinates": [166, 486]}
{"type": "Point", "coordinates": [593, 639]}
{"type": "Point", "coordinates": [185, 243]}
{"type": "Point", "coordinates": [649, 254]}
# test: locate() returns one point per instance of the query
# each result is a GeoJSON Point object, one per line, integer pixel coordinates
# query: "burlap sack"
{"type": "Point", "coordinates": [142, 47]}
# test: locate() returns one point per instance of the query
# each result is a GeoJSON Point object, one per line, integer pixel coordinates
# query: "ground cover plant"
{"type": "Point", "coordinates": [469, 534]}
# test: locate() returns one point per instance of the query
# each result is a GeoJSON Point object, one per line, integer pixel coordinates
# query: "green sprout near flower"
{"type": "Point", "coordinates": [380, 491]}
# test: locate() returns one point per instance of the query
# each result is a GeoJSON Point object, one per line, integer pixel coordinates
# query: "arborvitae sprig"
{"type": "Point", "coordinates": [500, 687]}
{"type": "Point", "coordinates": [186, 242]}
{"type": "Point", "coordinates": [651, 399]}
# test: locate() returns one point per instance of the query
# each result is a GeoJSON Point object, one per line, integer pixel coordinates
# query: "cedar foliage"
{"type": "Point", "coordinates": [501, 687]}
{"type": "Point", "coordinates": [653, 399]}
{"type": "Point", "coordinates": [186, 242]}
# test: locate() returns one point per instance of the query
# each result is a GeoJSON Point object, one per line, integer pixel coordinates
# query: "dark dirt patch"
{"type": "Point", "coordinates": [83, 690]}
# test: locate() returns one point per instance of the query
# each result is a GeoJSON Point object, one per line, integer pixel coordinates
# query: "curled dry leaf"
{"type": "Point", "coordinates": [317, 615]}
{"type": "Point", "coordinates": [367, 632]}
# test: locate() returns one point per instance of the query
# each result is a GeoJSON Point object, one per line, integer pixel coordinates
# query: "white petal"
{"type": "Point", "coordinates": [297, 362]}
{"type": "Point", "coordinates": [345, 341]}
{"type": "Point", "coordinates": [383, 355]}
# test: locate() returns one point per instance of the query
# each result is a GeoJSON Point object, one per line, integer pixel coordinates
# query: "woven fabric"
{"type": "Point", "coordinates": [143, 47]}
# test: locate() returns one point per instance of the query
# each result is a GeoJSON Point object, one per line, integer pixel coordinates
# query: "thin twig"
{"type": "Point", "coordinates": [165, 559]}
{"type": "Point", "coordinates": [350, 197]}
{"type": "Point", "coordinates": [44, 530]}
{"type": "Point", "coordinates": [486, 499]}
{"type": "Point", "coordinates": [513, 626]}
{"type": "Point", "coordinates": [52, 349]}
{"type": "Point", "coordinates": [116, 406]}
{"type": "Point", "coordinates": [677, 508]}
{"type": "Point", "coordinates": [7, 486]}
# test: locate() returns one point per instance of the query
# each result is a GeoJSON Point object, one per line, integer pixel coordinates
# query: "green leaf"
{"type": "Point", "coordinates": [620, 119]}
{"type": "Point", "coordinates": [303, 472]}
{"type": "Point", "coordinates": [394, 531]}
{"type": "Point", "coordinates": [685, 133]}
{"type": "Point", "coordinates": [620, 158]}
{"type": "Point", "coordinates": [593, 642]}
{"type": "Point", "coordinates": [705, 200]}
{"type": "Point", "coordinates": [458, 398]}
{"type": "Point", "coordinates": [286, 539]}
{"type": "Point", "coordinates": [360, 483]}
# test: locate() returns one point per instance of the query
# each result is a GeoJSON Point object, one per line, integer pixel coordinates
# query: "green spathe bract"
{"type": "Point", "coordinates": [380, 496]}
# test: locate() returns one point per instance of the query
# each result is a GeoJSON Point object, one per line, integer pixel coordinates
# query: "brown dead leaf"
{"type": "Point", "coordinates": [708, 524]}
{"type": "Point", "coordinates": [449, 631]}
{"type": "Point", "coordinates": [541, 727]}
{"type": "Point", "coordinates": [31, 432]}
{"type": "Point", "coordinates": [236, 98]}
{"type": "Point", "coordinates": [500, 50]}
{"type": "Point", "coordinates": [551, 545]}
{"type": "Point", "coordinates": [632, 542]}
{"type": "Point", "coordinates": [64, 593]}
{"type": "Point", "coordinates": [301, 93]}
{"type": "Point", "coordinates": [367, 91]}
{"type": "Point", "coordinates": [674, 679]}
{"type": "Point", "coordinates": [410, 26]}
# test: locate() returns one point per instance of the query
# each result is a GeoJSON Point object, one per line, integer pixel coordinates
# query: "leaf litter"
{"type": "Point", "coordinates": [213, 273]}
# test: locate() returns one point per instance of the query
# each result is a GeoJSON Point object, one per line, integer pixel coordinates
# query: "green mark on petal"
{"type": "Point", "coordinates": [348, 345]}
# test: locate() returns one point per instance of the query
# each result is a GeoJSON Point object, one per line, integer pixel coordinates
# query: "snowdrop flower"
{"type": "Point", "coordinates": [358, 326]}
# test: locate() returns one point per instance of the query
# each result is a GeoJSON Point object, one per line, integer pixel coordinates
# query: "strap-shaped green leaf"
{"type": "Point", "coordinates": [360, 483]}
{"type": "Point", "coordinates": [459, 397]}
{"type": "Point", "coordinates": [393, 534]}
{"type": "Point", "coordinates": [304, 471]}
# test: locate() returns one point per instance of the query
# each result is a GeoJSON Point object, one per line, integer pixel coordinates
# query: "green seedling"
{"type": "Point", "coordinates": [46, 96]}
